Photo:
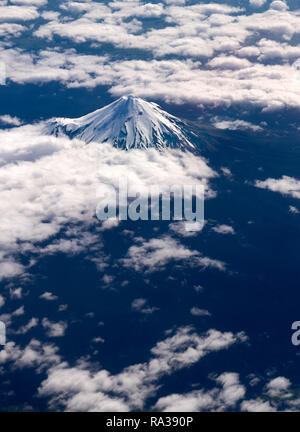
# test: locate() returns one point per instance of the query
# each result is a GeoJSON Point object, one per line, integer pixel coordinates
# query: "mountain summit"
{"type": "Point", "coordinates": [129, 122]}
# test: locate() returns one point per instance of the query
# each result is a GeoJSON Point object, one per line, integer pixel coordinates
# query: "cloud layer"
{"type": "Point", "coordinates": [220, 56]}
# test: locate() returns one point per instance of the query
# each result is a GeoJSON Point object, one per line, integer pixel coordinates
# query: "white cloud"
{"type": "Point", "coordinates": [107, 279]}
{"type": "Point", "coordinates": [18, 13]}
{"type": "Point", "coordinates": [38, 194]}
{"type": "Point", "coordinates": [236, 125]}
{"type": "Point", "coordinates": [156, 253]}
{"type": "Point", "coordinates": [141, 305]}
{"type": "Point", "coordinates": [229, 62]}
{"type": "Point", "coordinates": [293, 210]}
{"type": "Point", "coordinates": [232, 390]}
{"type": "Point", "coordinates": [182, 228]}
{"type": "Point", "coordinates": [16, 293]}
{"type": "Point", "coordinates": [216, 399]}
{"type": "Point", "coordinates": [286, 185]}
{"type": "Point", "coordinates": [185, 81]}
{"type": "Point", "coordinates": [279, 5]}
{"type": "Point", "coordinates": [35, 354]}
{"type": "Point", "coordinates": [257, 405]}
{"type": "Point", "coordinates": [226, 172]}
{"type": "Point", "coordinates": [9, 120]}
{"type": "Point", "coordinates": [177, 2]}
{"type": "Point", "coordinates": [110, 223]}
{"type": "Point", "coordinates": [54, 329]}
{"type": "Point", "coordinates": [223, 229]}
{"type": "Point", "coordinates": [50, 15]}
{"type": "Point", "coordinates": [48, 296]}
{"type": "Point", "coordinates": [195, 401]}
{"type": "Point", "coordinates": [248, 51]}
{"type": "Point", "coordinates": [230, 395]}
{"type": "Point", "coordinates": [53, 188]}
{"type": "Point", "coordinates": [30, 2]}
{"type": "Point", "coordinates": [33, 322]}
{"type": "Point", "coordinates": [8, 29]}
{"type": "Point", "coordinates": [7, 318]}
{"type": "Point", "coordinates": [279, 395]}
{"type": "Point", "coordinates": [278, 387]}
{"type": "Point", "coordinates": [257, 3]}
{"type": "Point", "coordinates": [81, 389]}
{"type": "Point", "coordinates": [275, 51]}
{"type": "Point", "coordinates": [9, 269]}
{"type": "Point", "coordinates": [76, 241]}
{"type": "Point", "coordinates": [19, 311]}
{"type": "Point", "coordinates": [220, 33]}
{"type": "Point", "coordinates": [98, 340]}
{"type": "Point", "coordinates": [199, 312]}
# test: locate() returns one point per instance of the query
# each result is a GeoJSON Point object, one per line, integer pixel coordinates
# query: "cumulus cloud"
{"type": "Point", "coordinates": [277, 395]}
{"type": "Point", "coordinates": [279, 5]}
{"type": "Point", "coordinates": [219, 48]}
{"type": "Point", "coordinates": [217, 399]}
{"type": "Point", "coordinates": [271, 50]}
{"type": "Point", "coordinates": [8, 318]}
{"type": "Point", "coordinates": [54, 329]}
{"type": "Point", "coordinates": [257, 3]}
{"type": "Point", "coordinates": [286, 185]}
{"type": "Point", "coordinates": [7, 29]}
{"type": "Point", "coordinates": [236, 125]}
{"type": "Point", "coordinates": [141, 305]}
{"type": "Point", "coordinates": [175, 1]}
{"type": "Point", "coordinates": [195, 401]}
{"type": "Point", "coordinates": [278, 387]}
{"type": "Point", "coordinates": [50, 15]}
{"type": "Point", "coordinates": [257, 405]}
{"type": "Point", "coordinates": [29, 194]}
{"type": "Point", "coordinates": [48, 296]}
{"type": "Point", "coordinates": [229, 62]}
{"type": "Point", "coordinates": [186, 229]}
{"type": "Point", "coordinates": [10, 268]}
{"type": "Point", "coordinates": [199, 312]}
{"type": "Point", "coordinates": [82, 389]}
{"type": "Point", "coordinates": [33, 322]}
{"type": "Point", "coordinates": [52, 189]}
{"type": "Point", "coordinates": [110, 223]}
{"type": "Point", "coordinates": [223, 229]}
{"type": "Point", "coordinates": [19, 311]}
{"type": "Point", "coordinates": [30, 2]}
{"type": "Point", "coordinates": [226, 172]}
{"type": "Point", "coordinates": [35, 354]}
{"type": "Point", "coordinates": [156, 253]}
{"type": "Point", "coordinates": [9, 120]}
{"type": "Point", "coordinates": [231, 394]}
{"type": "Point", "coordinates": [18, 13]}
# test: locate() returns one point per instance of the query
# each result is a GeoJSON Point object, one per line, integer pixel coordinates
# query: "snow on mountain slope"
{"type": "Point", "coordinates": [129, 122]}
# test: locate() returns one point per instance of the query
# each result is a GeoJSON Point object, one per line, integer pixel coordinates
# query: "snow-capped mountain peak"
{"type": "Point", "coordinates": [129, 122]}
